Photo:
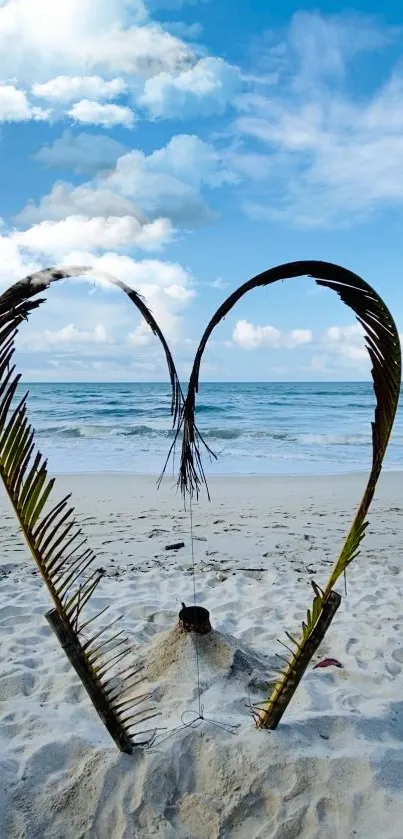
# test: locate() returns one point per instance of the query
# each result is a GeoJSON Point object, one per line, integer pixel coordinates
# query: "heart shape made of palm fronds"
{"type": "Point", "coordinates": [59, 547]}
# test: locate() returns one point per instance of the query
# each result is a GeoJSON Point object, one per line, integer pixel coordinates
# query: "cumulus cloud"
{"type": "Point", "coordinates": [65, 199]}
{"type": "Point", "coordinates": [341, 348]}
{"type": "Point", "coordinates": [166, 183]}
{"type": "Point", "coordinates": [81, 152]}
{"type": "Point", "coordinates": [14, 264]}
{"type": "Point", "coordinates": [167, 289]}
{"type": "Point", "coordinates": [166, 286]}
{"type": "Point", "coordinates": [71, 335]}
{"type": "Point", "coordinates": [63, 90]}
{"type": "Point", "coordinates": [332, 156]}
{"type": "Point", "coordinates": [14, 106]}
{"type": "Point", "coordinates": [142, 50]}
{"type": "Point", "coordinates": [143, 273]}
{"type": "Point", "coordinates": [140, 337]}
{"type": "Point", "coordinates": [94, 113]}
{"type": "Point", "coordinates": [347, 341]}
{"type": "Point", "coordinates": [248, 336]}
{"type": "Point", "coordinates": [79, 35]}
{"type": "Point", "coordinates": [205, 89]}
{"type": "Point", "coordinates": [54, 237]}
{"type": "Point", "coordinates": [90, 51]}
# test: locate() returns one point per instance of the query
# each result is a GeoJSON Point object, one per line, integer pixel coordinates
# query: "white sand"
{"type": "Point", "coordinates": [333, 768]}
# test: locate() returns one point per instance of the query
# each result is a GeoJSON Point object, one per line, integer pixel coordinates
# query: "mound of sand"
{"type": "Point", "coordinates": [177, 664]}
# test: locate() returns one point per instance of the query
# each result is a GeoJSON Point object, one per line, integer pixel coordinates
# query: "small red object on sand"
{"type": "Point", "coordinates": [328, 662]}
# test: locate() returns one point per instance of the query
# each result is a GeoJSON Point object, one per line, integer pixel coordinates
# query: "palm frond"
{"type": "Point", "coordinates": [383, 345]}
{"type": "Point", "coordinates": [53, 536]}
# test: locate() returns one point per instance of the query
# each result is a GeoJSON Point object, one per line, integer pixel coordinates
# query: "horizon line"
{"type": "Point", "coordinates": [205, 382]}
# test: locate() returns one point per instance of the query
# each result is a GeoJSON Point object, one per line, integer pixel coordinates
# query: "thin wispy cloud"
{"type": "Point", "coordinates": [335, 154]}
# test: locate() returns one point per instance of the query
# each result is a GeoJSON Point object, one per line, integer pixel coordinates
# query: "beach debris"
{"type": "Point", "coordinates": [175, 547]}
{"type": "Point", "coordinates": [157, 531]}
{"type": "Point", "coordinates": [328, 662]}
{"type": "Point", "coordinates": [194, 619]}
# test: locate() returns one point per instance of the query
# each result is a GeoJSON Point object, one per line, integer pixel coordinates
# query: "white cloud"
{"type": "Point", "coordinates": [169, 181]}
{"type": "Point", "coordinates": [14, 265]}
{"type": "Point", "coordinates": [41, 40]}
{"type": "Point", "coordinates": [166, 287]}
{"type": "Point", "coordinates": [218, 283]}
{"type": "Point", "coordinates": [205, 89]}
{"type": "Point", "coordinates": [63, 90]}
{"type": "Point", "coordinates": [180, 293]}
{"type": "Point", "coordinates": [66, 200]}
{"type": "Point", "coordinates": [333, 157]}
{"type": "Point", "coordinates": [94, 113]}
{"type": "Point", "coordinates": [166, 183]}
{"type": "Point", "coordinates": [88, 51]}
{"type": "Point", "coordinates": [324, 46]}
{"type": "Point", "coordinates": [340, 349]}
{"type": "Point", "coordinates": [14, 106]}
{"type": "Point", "coordinates": [189, 159]}
{"type": "Point", "coordinates": [98, 326]}
{"type": "Point", "coordinates": [140, 337]}
{"type": "Point", "coordinates": [347, 341]}
{"type": "Point", "coordinates": [81, 152]}
{"type": "Point", "coordinates": [297, 337]}
{"type": "Point", "coordinates": [76, 232]}
{"type": "Point", "coordinates": [71, 335]}
{"type": "Point", "coordinates": [142, 50]}
{"type": "Point", "coordinates": [250, 337]}
{"type": "Point", "coordinates": [145, 272]}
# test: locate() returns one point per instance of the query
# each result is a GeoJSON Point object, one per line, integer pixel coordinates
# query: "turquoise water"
{"type": "Point", "coordinates": [254, 428]}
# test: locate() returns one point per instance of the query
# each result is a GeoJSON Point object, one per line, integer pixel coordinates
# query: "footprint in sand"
{"type": "Point", "coordinates": [327, 817]}
{"type": "Point", "coordinates": [397, 654]}
{"type": "Point", "coordinates": [16, 684]}
{"type": "Point", "coordinates": [292, 827]}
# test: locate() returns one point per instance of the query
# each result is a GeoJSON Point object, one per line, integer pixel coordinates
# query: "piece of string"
{"type": "Point", "coordinates": [194, 723]}
{"type": "Point", "coordinates": [200, 707]}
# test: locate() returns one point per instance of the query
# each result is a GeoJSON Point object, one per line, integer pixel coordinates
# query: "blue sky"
{"type": "Point", "coordinates": [185, 147]}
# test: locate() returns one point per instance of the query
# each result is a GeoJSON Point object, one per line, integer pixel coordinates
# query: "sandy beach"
{"type": "Point", "coordinates": [334, 766]}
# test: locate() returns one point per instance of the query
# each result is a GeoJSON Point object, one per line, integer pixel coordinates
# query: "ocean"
{"type": "Point", "coordinates": [253, 428]}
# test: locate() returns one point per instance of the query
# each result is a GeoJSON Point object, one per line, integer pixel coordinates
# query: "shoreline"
{"type": "Point", "coordinates": [229, 476]}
